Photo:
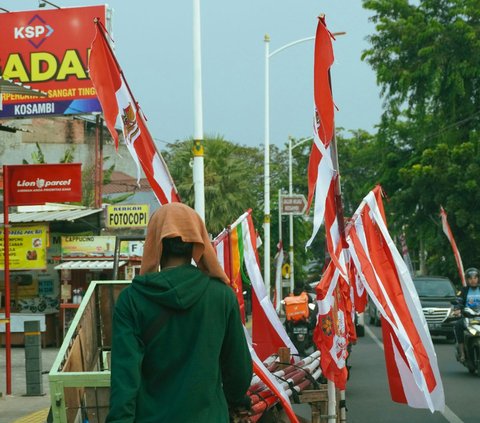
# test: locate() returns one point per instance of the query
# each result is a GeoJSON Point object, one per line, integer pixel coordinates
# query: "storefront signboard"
{"type": "Point", "coordinates": [127, 216]}
{"type": "Point", "coordinates": [27, 247]}
{"type": "Point", "coordinates": [42, 183]}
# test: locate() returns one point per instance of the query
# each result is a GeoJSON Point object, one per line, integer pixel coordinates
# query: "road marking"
{"type": "Point", "coordinates": [449, 415]}
{"type": "Point", "coordinates": [374, 337]}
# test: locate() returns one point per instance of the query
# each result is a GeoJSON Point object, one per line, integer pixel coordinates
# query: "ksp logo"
{"type": "Point", "coordinates": [36, 32]}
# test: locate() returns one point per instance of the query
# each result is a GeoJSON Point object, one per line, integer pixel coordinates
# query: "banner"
{"type": "Point", "coordinates": [48, 50]}
{"type": "Point", "coordinates": [27, 248]}
{"type": "Point", "coordinates": [42, 183]}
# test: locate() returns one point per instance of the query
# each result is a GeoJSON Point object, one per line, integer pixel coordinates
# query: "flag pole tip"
{"type": "Point", "coordinates": [266, 38]}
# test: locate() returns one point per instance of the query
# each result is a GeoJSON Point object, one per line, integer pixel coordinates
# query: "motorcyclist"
{"type": "Point", "coordinates": [469, 297]}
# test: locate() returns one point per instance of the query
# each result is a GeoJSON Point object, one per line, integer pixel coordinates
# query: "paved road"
{"type": "Point", "coordinates": [368, 398]}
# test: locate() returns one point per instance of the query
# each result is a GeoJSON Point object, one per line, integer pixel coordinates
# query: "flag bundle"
{"type": "Point", "coordinates": [412, 367]}
{"type": "Point", "coordinates": [118, 103]}
{"type": "Point", "coordinates": [448, 232]}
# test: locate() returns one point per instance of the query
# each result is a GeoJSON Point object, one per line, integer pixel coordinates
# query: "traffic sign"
{"type": "Point", "coordinates": [293, 204]}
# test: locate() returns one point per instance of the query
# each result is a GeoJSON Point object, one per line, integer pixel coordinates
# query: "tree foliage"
{"type": "Point", "coordinates": [426, 55]}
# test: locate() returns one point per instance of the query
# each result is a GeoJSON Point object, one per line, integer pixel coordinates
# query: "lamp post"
{"type": "Point", "coordinates": [197, 149]}
{"type": "Point", "coordinates": [266, 221]}
{"type": "Point", "coordinates": [291, 146]}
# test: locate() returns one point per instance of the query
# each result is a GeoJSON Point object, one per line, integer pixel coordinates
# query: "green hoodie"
{"type": "Point", "coordinates": [196, 363]}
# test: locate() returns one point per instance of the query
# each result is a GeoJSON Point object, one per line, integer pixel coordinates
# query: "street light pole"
{"type": "Point", "coordinates": [266, 205]}
{"type": "Point", "coordinates": [291, 146]}
{"type": "Point", "coordinates": [197, 149]}
{"type": "Point", "coordinates": [266, 221]}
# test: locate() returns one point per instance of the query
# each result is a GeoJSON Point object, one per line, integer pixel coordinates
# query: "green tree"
{"type": "Point", "coordinates": [426, 56]}
{"type": "Point", "coordinates": [232, 177]}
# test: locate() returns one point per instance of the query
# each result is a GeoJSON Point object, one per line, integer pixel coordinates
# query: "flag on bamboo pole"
{"type": "Point", "coordinates": [321, 171]}
{"type": "Point", "coordinates": [118, 103]}
{"type": "Point", "coordinates": [448, 232]}
{"type": "Point", "coordinates": [268, 333]}
{"type": "Point", "coordinates": [411, 362]}
{"type": "Point", "coordinates": [335, 328]}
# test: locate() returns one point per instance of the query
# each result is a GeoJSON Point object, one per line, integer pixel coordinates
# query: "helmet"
{"type": "Point", "coordinates": [472, 271]}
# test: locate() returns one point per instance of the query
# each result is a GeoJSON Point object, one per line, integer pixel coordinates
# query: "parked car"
{"type": "Point", "coordinates": [436, 294]}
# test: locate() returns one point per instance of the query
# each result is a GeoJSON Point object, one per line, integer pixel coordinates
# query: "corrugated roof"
{"type": "Point", "coordinates": [89, 265]}
{"type": "Point", "coordinates": [50, 216]}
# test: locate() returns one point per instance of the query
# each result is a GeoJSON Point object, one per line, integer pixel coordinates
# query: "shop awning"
{"type": "Point", "coordinates": [88, 265]}
{"type": "Point", "coordinates": [50, 216]}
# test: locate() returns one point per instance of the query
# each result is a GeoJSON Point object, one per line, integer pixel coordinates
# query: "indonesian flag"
{"type": "Point", "coordinates": [268, 333]}
{"type": "Point", "coordinates": [411, 361]}
{"type": "Point", "coordinates": [359, 292]}
{"type": "Point", "coordinates": [448, 232]}
{"type": "Point", "coordinates": [118, 104]}
{"type": "Point", "coordinates": [320, 166]}
{"type": "Point", "coordinates": [334, 328]}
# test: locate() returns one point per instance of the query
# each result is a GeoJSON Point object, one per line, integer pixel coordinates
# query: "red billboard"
{"type": "Point", "coordinates": [48, 50]}
{"type": "Point", "coordinates": [36, 184]}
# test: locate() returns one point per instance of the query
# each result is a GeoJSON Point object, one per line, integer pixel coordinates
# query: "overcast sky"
{"type": "Point", "coordinates": [154, 47]}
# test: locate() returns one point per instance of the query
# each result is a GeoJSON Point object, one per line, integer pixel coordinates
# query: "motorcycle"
{"type": "Point", "coordinates": [300, 322]}
{"type": "Point", "coordinates": [472, 340]}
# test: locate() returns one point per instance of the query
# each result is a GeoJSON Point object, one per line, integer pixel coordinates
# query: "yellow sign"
{"type": "Point", "coordinates": [87, 247]}
{"type": "Point", "coordinates": [286, 270]}
{"type": "Point", "coordinates": [27, 247]}
{"type": "Point", "coordinates": [127, 216]}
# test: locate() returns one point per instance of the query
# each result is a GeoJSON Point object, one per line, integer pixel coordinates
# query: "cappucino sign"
{"type": "Point", "coordinates": [43, 183]}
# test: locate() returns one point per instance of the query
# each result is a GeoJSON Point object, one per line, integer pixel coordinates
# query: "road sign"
{"type": "Point", "coordinates": [293, 204]}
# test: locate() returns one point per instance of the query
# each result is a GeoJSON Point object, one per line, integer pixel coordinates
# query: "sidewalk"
{"type": "Point", "coordinates": [18, 408]}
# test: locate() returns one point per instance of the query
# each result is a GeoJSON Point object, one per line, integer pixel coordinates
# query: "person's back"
{"type": "Point", "coordinates": [179, 353]}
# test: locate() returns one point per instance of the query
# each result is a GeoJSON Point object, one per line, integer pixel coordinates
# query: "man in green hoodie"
{"type": "Point", "coordinates": [179, 352]}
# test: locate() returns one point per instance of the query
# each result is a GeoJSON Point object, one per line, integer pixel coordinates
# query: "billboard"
{"type": "Point", "coordinates": [48, 50]}
{"type": "Point", "coordinates": [42, 183]}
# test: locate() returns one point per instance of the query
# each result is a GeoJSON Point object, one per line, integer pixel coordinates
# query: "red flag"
{"type": "Point", "coordinates": [448, 232]}
{"type": "Point", "coordinates": [118, 103]}
{"type": "Point", "coordinates": [410, 357]}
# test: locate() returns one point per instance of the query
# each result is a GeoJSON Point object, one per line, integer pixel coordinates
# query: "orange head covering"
{"type": "Point", "coordinates": [177, 219]}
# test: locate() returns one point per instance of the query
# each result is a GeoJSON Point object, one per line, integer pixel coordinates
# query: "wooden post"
{"type": "Point", "coordinates": [284, 357]}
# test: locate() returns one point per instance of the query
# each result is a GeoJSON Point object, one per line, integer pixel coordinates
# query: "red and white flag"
{"type": "Point", "coordinates": [268, 333]}
{"type": "Point", "coordinates": [118, 104]}
{"type": "Point", "coordinates": [448, 232]}
{"type": "Point", "coordinates": [321, 181]}
{"type": "Point", "coordinates": [411, 361]}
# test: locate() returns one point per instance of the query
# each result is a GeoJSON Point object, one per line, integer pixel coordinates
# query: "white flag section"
{"type": "Point", "coordinates": [409, 353]}
{"type": "Point", "coordinates": [324, 179]}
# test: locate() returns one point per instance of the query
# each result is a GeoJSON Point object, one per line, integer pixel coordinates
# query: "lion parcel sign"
{"type": "Point", "coordinates": [48, 50]}
{"type": "Point", "coordinates": [42, 183]}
